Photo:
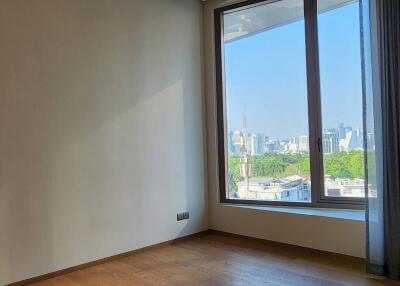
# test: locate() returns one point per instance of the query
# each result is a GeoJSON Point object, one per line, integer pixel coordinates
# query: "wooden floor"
{"type": "Point", "coordinates": [216, 259]}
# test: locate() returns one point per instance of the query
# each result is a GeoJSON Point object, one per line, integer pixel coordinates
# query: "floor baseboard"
{"type": "Point", "coordinates": [283, 244]}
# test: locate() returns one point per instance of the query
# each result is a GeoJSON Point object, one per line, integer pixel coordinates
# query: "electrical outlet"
{"type": "Point", "coordinates": [182, 215]}
{"type": "Point", "coordinates": [179, 216]}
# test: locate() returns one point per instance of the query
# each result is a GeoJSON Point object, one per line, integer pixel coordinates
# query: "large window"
{"type": "Point", "coordinates": [289, 100]}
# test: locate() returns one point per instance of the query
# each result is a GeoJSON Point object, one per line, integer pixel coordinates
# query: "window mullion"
{"type": "Point", "coordinates": [314, 99]}
{"type": "Point", "coordinates": [221, 124]}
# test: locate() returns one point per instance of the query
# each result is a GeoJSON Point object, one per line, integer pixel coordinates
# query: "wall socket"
{"type": "Point", "coordinates": [182, 215]}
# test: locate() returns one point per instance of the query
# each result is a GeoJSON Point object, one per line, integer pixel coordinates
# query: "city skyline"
{"type": "Point", "coordinates": [294, 135]}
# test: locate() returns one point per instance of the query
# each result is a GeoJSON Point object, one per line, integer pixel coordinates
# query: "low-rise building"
{"type": "Point", "coordinates": [291, 188]}
{"type": "Point", "coordinates": [338, 187]}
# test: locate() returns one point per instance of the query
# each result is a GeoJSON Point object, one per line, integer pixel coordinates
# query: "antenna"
{"type": "Point", "coordinates": [244, 122]}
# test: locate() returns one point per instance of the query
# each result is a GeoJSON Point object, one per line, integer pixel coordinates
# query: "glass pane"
{"type": "Point", "coordinates": [341, 98]}
{"type": "Point", "coordinates": [266, 103]}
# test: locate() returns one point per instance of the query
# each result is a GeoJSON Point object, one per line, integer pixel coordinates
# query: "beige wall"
{"type": "Point", "coordinates": [331, 234]}
{"type": "Point", "coordinates": [101, 140]}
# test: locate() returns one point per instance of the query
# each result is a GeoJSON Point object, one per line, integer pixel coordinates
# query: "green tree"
{"type": "Point", "coordinates": [336, 165]}
{"type": "Point", "coordinates": [344, 164]}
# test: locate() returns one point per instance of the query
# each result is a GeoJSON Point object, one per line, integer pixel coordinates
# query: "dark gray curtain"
{"type": "Point", "coordinates": [381, 51]}
{"type": "Point", "coordinates": [389, 15]}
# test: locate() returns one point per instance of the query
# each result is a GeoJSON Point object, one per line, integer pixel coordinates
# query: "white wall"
{"type": "Point", "coordinates": [101, 140]}
{"type": "Point", "coordinates": [330, 234]}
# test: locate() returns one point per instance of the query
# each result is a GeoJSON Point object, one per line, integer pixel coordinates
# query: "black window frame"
{"type": "Point", "coordinates": [318, 197]}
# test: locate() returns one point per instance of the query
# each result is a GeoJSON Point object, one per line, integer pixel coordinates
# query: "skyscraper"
{"type": "Point", "coordinates": [237, 141]}
{"type": "Point", "coordinates": [303, 143]}
{"type": "Point", "coordinates": [257, 144]}
{"type": "Point", "coordinates": [330, 142]}
{"type": "Point", "coordinates": [342, 131]}
{"type": "Point", "coordinates": [272, 146]}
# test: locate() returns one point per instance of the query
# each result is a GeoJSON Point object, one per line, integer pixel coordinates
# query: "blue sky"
{"type": "Point", "coordinates": [266, 76]}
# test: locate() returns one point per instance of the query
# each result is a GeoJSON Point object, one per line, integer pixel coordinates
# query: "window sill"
{"type": "Point", "coordinates": [355, 215]}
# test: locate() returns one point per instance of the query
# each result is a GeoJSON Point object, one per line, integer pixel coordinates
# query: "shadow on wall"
{"type": "Point", "coordinates": [101, 131]}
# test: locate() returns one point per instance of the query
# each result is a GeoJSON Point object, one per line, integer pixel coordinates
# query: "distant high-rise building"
{"type": "Point", "coordinates": [290, 146]}
{"type": "Point", "coordinates": [330, 142]}
{"type": "Point", "coordinates": [257, 144]}
{"type": "Point", "coordinates": [294, 140]}
{"type": "Point", "coordinates": [272, 146]}
{"type": "Point", "coordinates": [342, 131]}
{"type": "Point", "coordinates": [334, 130]}
{"type": "Point", "coordinates": [237, 141]}
{"type": "Point", "coordinates": [304, 143]}
{"type": "Point", "coordinates": [352, 141]}
{"type": "Point", "coordinates": [236, 137]}
{"type": "Point", "coordinates": [248, 144]}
